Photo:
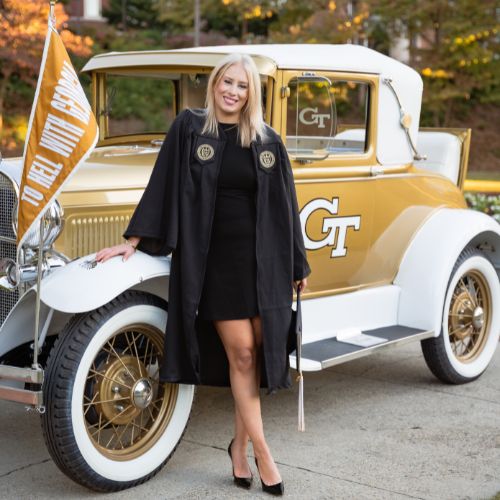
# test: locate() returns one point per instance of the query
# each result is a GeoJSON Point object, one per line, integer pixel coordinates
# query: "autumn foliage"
{"type": "Point", "coordinates": [23, 27]}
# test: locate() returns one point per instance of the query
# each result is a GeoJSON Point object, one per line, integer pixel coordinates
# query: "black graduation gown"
{"type": "Point", "coordinates": [175, 215]}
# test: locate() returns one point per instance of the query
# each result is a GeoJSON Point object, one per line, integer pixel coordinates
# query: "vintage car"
{"type": "Point", "coordinates": [396, 255]}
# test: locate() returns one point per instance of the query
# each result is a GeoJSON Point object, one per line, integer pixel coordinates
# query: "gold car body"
{"type": "Point", "coordinates": [374, 210]}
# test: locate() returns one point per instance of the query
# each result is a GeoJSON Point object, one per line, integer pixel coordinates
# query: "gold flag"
{"type": "Point", "coordinates": [62, 132]}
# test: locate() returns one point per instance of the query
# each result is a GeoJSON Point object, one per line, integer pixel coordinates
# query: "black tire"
{"type": "Point", "coordinates": [69, 432]}
{"type": "Point", "coordinates": [440, 352]}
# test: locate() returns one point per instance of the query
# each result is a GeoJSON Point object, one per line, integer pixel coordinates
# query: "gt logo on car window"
{"type": "Point", "coordinates": [315, 117]}
{"type": "Point", "coordinates": [334, 227]}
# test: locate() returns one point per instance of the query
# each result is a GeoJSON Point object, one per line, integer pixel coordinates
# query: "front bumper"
{"type": "Point", "coordinates": [34, 376]}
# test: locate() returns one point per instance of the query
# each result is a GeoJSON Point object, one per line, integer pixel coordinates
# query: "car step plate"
{"type": "Point", "coordinates": [329, 352]}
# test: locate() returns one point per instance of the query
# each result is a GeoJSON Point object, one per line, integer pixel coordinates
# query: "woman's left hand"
{"type": "Point", "coordinates": [300, 284]}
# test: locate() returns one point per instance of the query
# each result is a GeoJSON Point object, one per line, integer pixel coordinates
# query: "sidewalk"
{"type": "Point", "coordinates": [381, 427]}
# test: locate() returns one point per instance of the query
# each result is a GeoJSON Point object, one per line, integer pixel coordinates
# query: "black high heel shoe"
{"type": "Point", "coordinates": [274, 489]}
{"type": "Point", "coordinates": [242, 482]}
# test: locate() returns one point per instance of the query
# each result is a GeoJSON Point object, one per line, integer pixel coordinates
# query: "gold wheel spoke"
{"type": "Point", "coordinates": [110, 421]}
{"type": "Point", "coordinates": [462, 315]}
{"type": "Point", "coordinates": [466, 346]}
{"type": "Point", "coordinates": [139, 426]}
{"type": "Point", "coordinates": [101, 401]}
{"type": "Point", "coordinates": [119, 436]}
{"type": "Point", "coordinates": [157, 408]}
{"type": "Point", "coordinates": [122, 363]}
{"type": "Point", "coordinates": [466, 290]}
{"type": "Point", "coordinates": [122, 434]}
{"type": "Point", "coordinates": [89, 404]}
{"type": "Point", "coordinates": [153, 419]}
{"type": "Point", "coordinates": [145, 357]}
{"type": "Point", "coordinates": [474, 291]}
{"type": "Point", "coordinates": [133, 345]}
{"type": "Point", "coordinates": [99, 429]}
{"type": "Point", "coordinates": [461, 327]}
{"type": "Point", "coordinates": [113, 435]}
{"type": "Point", "coordinates": [129, 343]}
{"type": "Point", "coordinates": [112, 379]}
{"type": "Point", "coordinates": [110, 343]}
{"type": "Point", "coordinates": [132, 430]}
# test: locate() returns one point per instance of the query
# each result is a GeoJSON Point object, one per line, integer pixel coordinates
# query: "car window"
{"type": "Point", "coordinates": [326, 117]}
{"type": "Point", "coordinates": [139, 104]}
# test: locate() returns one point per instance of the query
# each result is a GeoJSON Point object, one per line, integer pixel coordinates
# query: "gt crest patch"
{"type": "Point", "coordinates": [205, 152]}
{"type": "Point", "coordinates": [267, 159]}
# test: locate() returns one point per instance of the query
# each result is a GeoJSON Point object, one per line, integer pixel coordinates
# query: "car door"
{"type": "Point", "coordinates": [328, 126]}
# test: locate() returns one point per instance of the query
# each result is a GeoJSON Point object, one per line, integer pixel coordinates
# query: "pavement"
{"type": "Point", "coordinates": [380, 427]}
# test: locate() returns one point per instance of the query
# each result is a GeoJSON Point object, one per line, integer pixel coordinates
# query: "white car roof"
{"type": "Point", "coordinates": [340, 57]}
{"type": "Point", "coordinates": [392, 143]}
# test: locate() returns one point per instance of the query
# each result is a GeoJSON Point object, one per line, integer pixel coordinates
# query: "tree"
{"type": "Point", "coordinates": [235, 18]}
{"type": "Point", "coordinates": [453, 43]}
{"type": "Point", "coordinates": [23, 27]}
{"type": "Point", "coordinates": [133, 14]}
{"type": "Point", "coordinates": [319, 21]}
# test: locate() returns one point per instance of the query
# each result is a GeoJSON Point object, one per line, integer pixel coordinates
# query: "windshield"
{"type": "Point", "coordinates": [147, 103]}
{"type": "Point", "coordinates": [138, 105]}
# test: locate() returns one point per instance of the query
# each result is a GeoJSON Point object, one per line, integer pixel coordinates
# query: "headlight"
{"type": "Point", "coordinates": [52, 227]}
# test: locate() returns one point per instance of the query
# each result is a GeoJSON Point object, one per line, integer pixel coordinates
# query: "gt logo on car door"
{"type": "Point", "coordinates": [334, 227]}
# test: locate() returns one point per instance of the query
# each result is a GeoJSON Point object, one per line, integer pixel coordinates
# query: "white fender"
{"type": "Point", "coordinates": [429, 259]}
{"type": "Point", "coordinates": [78, 288]}
{"type": "Point", "coordinates": [82, 286]}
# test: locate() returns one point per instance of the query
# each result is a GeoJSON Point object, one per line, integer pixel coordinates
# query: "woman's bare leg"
{"type": "Point", "coordinates": [240, 444]}
{"type": "Point", "coordinates": [240, 343]}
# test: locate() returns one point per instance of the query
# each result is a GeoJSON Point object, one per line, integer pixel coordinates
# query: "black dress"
{"type": "Point", "coordinates": [229, 287]}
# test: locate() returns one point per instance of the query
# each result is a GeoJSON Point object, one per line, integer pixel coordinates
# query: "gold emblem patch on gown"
{"type": "Point", "coordinates": [267, 159]}
{"type": "Point", "coordinates": [205, 152]}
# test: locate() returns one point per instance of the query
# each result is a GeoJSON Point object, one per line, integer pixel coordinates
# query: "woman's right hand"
{"type": "Point", "coordinates": [125, 249]}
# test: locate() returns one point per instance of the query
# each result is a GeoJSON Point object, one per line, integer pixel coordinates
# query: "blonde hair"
{"type": "Point", "coordinates": [251, 122]}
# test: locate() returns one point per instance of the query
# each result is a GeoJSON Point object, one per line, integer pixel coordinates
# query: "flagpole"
{"type": "Point", "coordinates": [31, 209]}
{"type": "Point", "coordinates": [37, 302]}
{"type": "Point", "coordinates": [51, 11]}
{"type": "Point", "coordinates": [36, 366]}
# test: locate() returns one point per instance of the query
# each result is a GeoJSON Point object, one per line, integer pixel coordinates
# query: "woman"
{"type": "Point", "coordinates": [222, 199]}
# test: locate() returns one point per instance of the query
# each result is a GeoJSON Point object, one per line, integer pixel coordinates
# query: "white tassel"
{"type": "Point", "coordinates": [300, 377]}
{"type": "Point", "coordinates": [302, 424]}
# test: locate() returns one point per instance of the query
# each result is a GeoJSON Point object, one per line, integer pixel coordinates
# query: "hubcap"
{"type": "Point", "coordinates": [142, 393]}
{"type": "Point", "coordinates": [478, 317]}
{"type": "Point", "coordinates": [469, 316]}
{"type": "Point", "coordinates": [126, 408]}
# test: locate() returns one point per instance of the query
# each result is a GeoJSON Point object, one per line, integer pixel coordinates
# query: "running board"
{"type": "Point", "coordinates": [329, 352]}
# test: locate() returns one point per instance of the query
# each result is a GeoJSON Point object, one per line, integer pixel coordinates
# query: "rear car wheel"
{"type": "Point", "coordinates": [109, 423]}
{"type": "Point", "coordinates": [471, 321]}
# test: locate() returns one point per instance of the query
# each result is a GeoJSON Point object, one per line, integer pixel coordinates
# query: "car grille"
{"type": "Point", "coordinates": [84, 235]}
{"type": "Point", "coordinates": [8, 198]}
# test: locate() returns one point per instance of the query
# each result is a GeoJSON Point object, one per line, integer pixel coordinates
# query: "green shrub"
{"type": "Point", "coordinates": [487, 203]}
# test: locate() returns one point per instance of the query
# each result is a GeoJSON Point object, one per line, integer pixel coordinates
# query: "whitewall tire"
{"type": "Point", "coordinates": [471, 321]}
{"type": "Point", "coordinates": [109, 424]}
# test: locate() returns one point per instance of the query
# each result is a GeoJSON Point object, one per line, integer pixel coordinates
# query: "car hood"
{"type": "Point", "coordinates": [109, 167]}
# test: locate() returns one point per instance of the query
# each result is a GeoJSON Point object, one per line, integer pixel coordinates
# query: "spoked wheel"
{"type": "Point", "coordinates": [110, 424]}
{"type": "Point", "coordinates": [471, 321]}
{"type": "Point", "coordinates": [469, 316]}
{"type": "Point", "coordinates": [125, 407]}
